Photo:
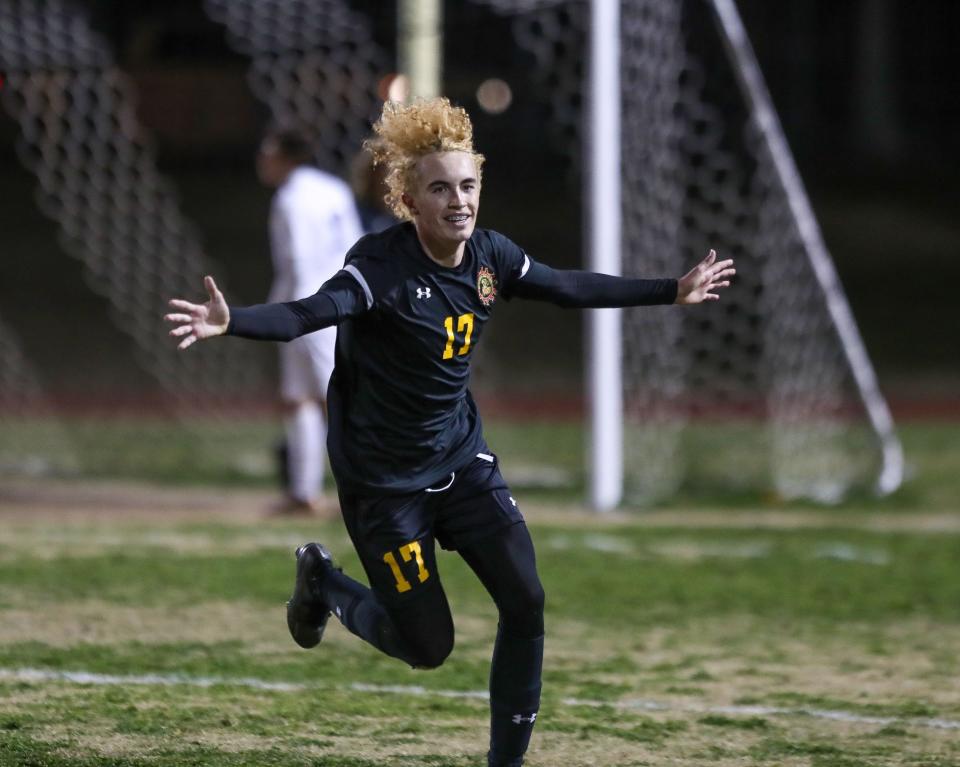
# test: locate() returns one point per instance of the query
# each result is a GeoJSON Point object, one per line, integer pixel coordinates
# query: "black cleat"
{"type": "Point", "coordinates": [307, 613]}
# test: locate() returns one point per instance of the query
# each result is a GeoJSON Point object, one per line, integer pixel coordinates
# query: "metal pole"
{"type": "Point", "coordinates": [420, 45]}
{"type": "Point", "coordinates": [604, 239]}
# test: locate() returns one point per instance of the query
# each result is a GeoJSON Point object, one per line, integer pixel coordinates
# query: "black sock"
{"type": "Point", "coordinates": [514, 696]}
{"type": "Point", "coordinates": [362, 614]}
{"type": "Point", "coordinates": [357, 608]}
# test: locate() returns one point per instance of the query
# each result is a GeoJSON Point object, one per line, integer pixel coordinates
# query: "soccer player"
{"type": "Point", "coordinates": [313, 222]}
{"type": "Point", "coordinates": [405, 441]}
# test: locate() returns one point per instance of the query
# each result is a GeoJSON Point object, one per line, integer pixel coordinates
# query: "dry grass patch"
{"type": "Point", "coordinates": [724, 661]}
{"type": "Point", "coordinates": [87, 501]}
{"type": "Point", "coordinates": [78, 539]}
{"type": "Point", "coordinates": [66, 624]}
{"type": "Point", "coordinates": [377, 738]}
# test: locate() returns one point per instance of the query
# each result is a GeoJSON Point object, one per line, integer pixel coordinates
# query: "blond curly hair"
{"type": "Point", "coordinates": [406, 132]}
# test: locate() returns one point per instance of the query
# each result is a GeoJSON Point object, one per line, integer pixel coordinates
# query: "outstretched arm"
{"type": "Point", "coordinates": [589, 290]}
{"type": "Point", "coordinates": [339, 298]}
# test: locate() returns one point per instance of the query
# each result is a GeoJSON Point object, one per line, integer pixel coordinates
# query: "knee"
{"type": "Point", "coordinates": [533, 599]}
{"type": "Point", "coordinates": [522, 614]}
{"type": "Point", "coordinates": [431, 653]}
{"type": "Point", "coordinates": [418, 649]}
{"type": "Point", "coordinates": [424, 629]}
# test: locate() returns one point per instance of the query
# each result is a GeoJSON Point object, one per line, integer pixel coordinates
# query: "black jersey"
{"type": "Point", "coordinates": [401, 415]}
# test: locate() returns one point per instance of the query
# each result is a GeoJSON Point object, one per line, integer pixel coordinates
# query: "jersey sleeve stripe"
{"type": "Point", "coordinates": [355, 273]}
{"type": "Point", "coordinates": [526, 265]}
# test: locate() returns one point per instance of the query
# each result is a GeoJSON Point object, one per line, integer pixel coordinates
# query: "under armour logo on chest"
{"type": "Point", "coordinates": [423, 292]}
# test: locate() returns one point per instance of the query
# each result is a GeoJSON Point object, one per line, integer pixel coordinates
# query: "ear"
{"type": "Point", "coordinates": [407, 200]}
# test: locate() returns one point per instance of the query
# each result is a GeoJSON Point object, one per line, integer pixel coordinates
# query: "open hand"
{"type": "Point", "coordinates": [198, 321]}
{"type": "Point", "coordinates": [701, 282]}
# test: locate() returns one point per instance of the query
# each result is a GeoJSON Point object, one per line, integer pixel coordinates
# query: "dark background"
{"type": "Point", "coordinates": [867, 92]}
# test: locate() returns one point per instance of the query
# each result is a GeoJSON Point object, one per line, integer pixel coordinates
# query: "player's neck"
{"type": "Point", "coordinates": [446, 253]}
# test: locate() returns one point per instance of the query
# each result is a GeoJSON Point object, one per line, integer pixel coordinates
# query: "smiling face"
{"type": "Point", "coordinates": [444, 200]}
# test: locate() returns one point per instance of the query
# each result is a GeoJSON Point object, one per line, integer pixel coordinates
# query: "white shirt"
{"type": "Point", "coordinates": [313, 223]}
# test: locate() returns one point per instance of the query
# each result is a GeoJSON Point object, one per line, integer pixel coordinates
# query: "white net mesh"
{"type": "Point", "coordinates": [34, 442]}
{"type": "Point", "coordinates": [314, 63]}
{"type": "Point", "coordinates": [98, 180]}
{"type": "Point", "coordinates": [554, 33]}
{"type": "Point", "coordinates": [753, 393]}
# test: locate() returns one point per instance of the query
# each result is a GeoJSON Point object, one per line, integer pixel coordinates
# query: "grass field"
{"type": "Point", "coordinates": [749, 638]}
{"type": "Point", "coordinates": [545, 457]}
{"type": "Point", "coordinates": [143, 625]}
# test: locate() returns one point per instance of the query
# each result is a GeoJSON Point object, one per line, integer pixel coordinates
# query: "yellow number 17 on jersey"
{"type": "Point", "coordinates": [464, 323]}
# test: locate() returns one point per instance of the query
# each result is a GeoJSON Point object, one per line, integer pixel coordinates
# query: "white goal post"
{"type": "Point", "coordinates": [603, 234]}
{"type": "Point", "coordinates": [693, 174]}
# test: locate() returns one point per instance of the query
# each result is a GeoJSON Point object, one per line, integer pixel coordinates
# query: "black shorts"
{"type": "Point", "coordinates": [395, 535]}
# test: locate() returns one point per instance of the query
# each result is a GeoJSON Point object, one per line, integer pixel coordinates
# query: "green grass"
{"type": "Point", "coordinates": [542, 457]}
{"type": "Point", "coordinates": [667, 644]}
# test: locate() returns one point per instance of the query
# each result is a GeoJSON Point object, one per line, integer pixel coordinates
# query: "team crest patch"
{"type": "Point", "coordinates": [486, 286]}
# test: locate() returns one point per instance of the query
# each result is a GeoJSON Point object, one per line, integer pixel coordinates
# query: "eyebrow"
{"type": "Point", "coordinates": [467, 180]}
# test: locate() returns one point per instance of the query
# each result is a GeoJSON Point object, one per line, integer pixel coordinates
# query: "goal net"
{"type": "Point", "coordinates": [314, 63]}
{"type": "Point", "coordinates": [770, 389]}
{"type": "Point", "coordinates": [32, 441]}
{"type": "Point", "coordinates": [98, 180]}
{"type": "Point", "coordinates": [117, 215]}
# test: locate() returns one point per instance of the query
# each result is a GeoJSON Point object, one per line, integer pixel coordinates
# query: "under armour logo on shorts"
{"type": "Point", "coordinates": [423, 292]}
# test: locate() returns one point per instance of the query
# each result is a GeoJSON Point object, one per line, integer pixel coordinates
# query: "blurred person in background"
{"type": "Point", "coordinates": [369, 182]}
{"type": "Point", "coordinates": [313, 223]}
{"type": "Point", "coordinates": [406, 443]}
